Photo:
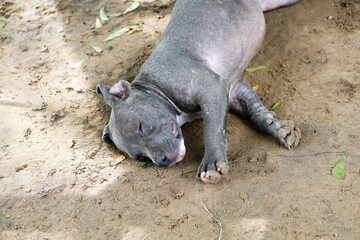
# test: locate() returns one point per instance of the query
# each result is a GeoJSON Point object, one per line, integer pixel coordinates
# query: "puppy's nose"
{"type": "Point", "coordinates": [163, 160]}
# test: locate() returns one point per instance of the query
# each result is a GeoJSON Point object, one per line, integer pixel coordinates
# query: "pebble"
{"type": "Point", "coordinates": [262, 173]}
{"type": "Point", "coordinates": [243, 196]}
{"type": "Point", "coordinates": [43, 48]}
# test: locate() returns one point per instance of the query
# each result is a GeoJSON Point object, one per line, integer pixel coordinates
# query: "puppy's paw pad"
{"type": "Point", "coordinates": [288, 134]}
{"type": "Point", "coordinates": [210, 176]}
{"type": "Point", "coordinates": [222, 167]}
{"type": "Point", "coordinates": [210, 172]}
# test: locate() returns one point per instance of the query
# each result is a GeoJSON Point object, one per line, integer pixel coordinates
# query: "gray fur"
{"type": "Point", "coordinates": [198, 60]}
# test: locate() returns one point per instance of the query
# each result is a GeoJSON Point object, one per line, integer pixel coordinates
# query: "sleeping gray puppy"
{"type": "Point", "coordinates": [194, 72]}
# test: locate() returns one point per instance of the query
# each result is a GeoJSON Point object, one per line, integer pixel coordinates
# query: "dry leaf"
{"type": "Point", "coordinates": [253, 69]}
{"type": "Point", "coordinates": [133, 6]}
{"type": "Point", "coordinates": [103, 15]}
{"type": "Point", "coordinates": [122, 31]}
{"type": "Point", "coordinates": [276, 105]}
{"type": "Point", "coordinates": [98, 23]}
{"type": "Point", "coordinates": [96, 49]}
{"type": "Point", "coordinates": [79, 63]}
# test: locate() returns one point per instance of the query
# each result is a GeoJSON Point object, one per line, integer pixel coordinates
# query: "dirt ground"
{"type": "Point", "coordinates": [59, 181]}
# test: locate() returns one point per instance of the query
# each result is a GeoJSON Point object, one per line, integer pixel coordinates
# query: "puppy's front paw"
{"type": "Point", "coordinates": [211, 169]}
{"type": "Point", "coordinates": [288, 134]}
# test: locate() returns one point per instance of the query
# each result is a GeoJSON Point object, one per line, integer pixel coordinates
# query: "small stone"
{"type": "Point", "coordinates": [262, 173]}
{"type": "Point", "coordinates": [44, 48]}
{"type": "Point", "coordinates": [344, 4]}
{"type": "Point", "coordinates": [243, 196]}
{"type": "Point", "coordinates": [252, 160]}
{"type": "Point", "coordinates": [57, 114]}
{"type": "Point", "coordinates": [41, 107]}
{"type": "Point", "coordinates": [18, 169]}
{"type": "Point", "coordinates": [24, 48]}
{"type": "Point", "coordinates": [330, 17]}
{"type": "Point", "coordinates": [73, 142]}
{"type": "Point", "coordinates": [175, 192]}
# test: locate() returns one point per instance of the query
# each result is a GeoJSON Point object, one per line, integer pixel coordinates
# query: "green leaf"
{"type": "Point", "coordinates": [79, 64]}
{"type": "Point", "coordinates": [122, 31]}
{"type": "Point", "coordinates": [146, 164]}
{"type": "Point", "coordinates": [103, 15]}
{"type": "Point", "coordinates": [2, 24]}
{"type": "Point", "coordinates": [338, 170]}
{"type": "Point", "coordinates": [253, 69]}
{"type": "Point", "coordinates": [276, 105]}
{"type": "Point", "coordinates": [133, 6]}
{"type": "Point", "coordinates": [98, 23]}
{"type": "Point", "coordinates": [96, 49]}
{"type": "Point", "coordinates": [8, 215]}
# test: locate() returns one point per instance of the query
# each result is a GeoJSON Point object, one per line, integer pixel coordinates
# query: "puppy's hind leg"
{"type": "Point", "coordinates": [244, 102]}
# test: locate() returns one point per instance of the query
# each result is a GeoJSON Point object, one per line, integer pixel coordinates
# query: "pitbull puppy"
{"type": "Point", "coordinates": [194, 72]}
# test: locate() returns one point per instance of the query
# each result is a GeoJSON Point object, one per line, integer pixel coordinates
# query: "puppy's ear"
{"type": "Point", "coordinates": [106, 136]}
{"type": "Point", "coordinates": [119, 92]}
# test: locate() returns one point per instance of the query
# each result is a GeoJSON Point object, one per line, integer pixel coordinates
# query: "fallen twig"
{"type": "Point", "coordinates": [42, 94]}
{"type": "Point", "coordinates": [216, 219]}
{"type": "Point", "coordinates": [25, 135]}
{"type": "Point", "coordinates": [241, 158]}
{"type": "Point", "coordinates": [159, 184]}
{"type": "Point", "coordinates": [311, 155]}
{"type": "Point", "coordinates": [88, 155]}
{"type": "Point", "coordinates": [114, 196]}
{"type": "Point", "coordinates": [68, 99]}
{"type": "Point", "coordinates": [192, 171]}
{"type": "Point", "coordinates": [93, 152]}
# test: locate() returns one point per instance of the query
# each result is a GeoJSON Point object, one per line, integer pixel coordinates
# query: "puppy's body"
{"type": "Point", "coordinates": [194, 72]}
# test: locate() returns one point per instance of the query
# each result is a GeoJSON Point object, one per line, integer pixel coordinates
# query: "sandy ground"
{"type": "Point", "coordinates": [58, 181]}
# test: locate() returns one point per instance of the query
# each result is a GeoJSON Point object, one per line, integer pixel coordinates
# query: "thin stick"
{"type": "Point", "coordinates": [42, 94]}
{"type": "Point", "coordinates": [26, 133]}
{"type": "Point", "coordinates": [68, 99]}
{"type": "Point", "coordinates": [311, 155]}
{"type": "Point", "coordinates": [113, 194]}
{"type": "Point", "coordinates": [93, 152]}
{"type": "Point", "coordinates": [215, 219]}
{"type": "Point", "coordinates": [238, 159]}
{"type": "Point", "coordinates": [192, 171]}
{"type": "Point", "coordinates": [159, 184]}
{"type": "Point", "coordinates": [89, 155]}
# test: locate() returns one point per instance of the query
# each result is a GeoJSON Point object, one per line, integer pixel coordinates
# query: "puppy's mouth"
{"type": "Point", "coordinates": [182, 151]}
{"type": "Point", "coordinates": [169, 160]}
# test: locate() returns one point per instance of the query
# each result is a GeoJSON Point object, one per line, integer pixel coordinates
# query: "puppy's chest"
{"type": "Point", "coordinates": [188, 117]}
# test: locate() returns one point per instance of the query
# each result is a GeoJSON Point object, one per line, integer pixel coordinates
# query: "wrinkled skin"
{"type": "Point", "coordinates": [130, 131]}
{"type": "Point", "coordinates": [194, 72]}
